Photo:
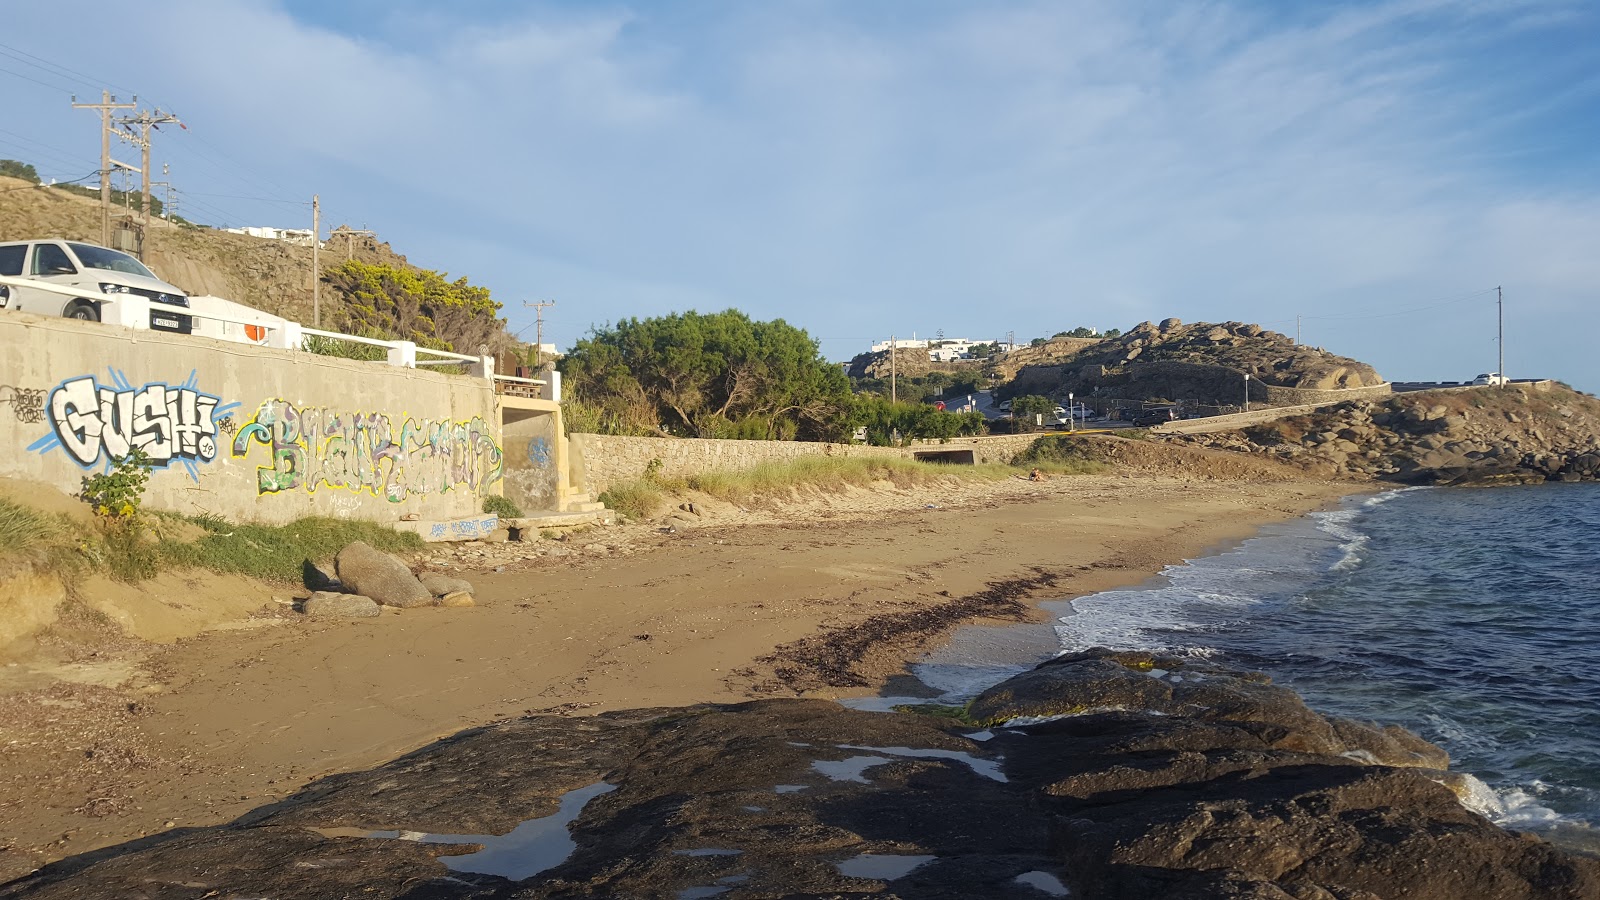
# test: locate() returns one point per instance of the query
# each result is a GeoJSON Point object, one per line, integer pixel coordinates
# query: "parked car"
{"type": "Point", "coordinates": [1491, 378]}
{"type": "Point", "coordinates": [1159, 415]}
{"type": "Point", "coordinates": [1005, 406]}
{"type": "Point", "coordinates": [90, 268]}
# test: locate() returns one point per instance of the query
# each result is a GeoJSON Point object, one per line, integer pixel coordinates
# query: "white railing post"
{"type": "Point", "coordinates": [403, 353]}
{"type": "Point", "coordinates": [286, 336]}
{"type": "Point", "coordinates": [555, 386]}
{"type": "Point", "coordinates": [483, 368]}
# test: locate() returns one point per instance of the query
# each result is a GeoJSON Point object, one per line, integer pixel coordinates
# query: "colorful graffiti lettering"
{"type": "Point", "coordinates": [315, 446]}
{"type": "Point", "coordinates": [91, 422]}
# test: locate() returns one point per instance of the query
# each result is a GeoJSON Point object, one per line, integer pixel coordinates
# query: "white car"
{"type": "Point", "coordinates": [1491, 378]}
{"type": "Point", "coordinates": [89, 268]}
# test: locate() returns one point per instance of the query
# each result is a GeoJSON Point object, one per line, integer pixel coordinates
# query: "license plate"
{"type": "Point", "coordinates": [170, 323]}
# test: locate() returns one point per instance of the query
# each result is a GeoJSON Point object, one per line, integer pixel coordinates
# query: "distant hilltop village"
{"type": "Point", "coordinates": [952, 349]}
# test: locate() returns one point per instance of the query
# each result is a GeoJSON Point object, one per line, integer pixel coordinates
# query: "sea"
{"type": "Point", "coordinates": [1469, 616]}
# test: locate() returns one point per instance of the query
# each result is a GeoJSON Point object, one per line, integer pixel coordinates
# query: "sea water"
{"type": "Point", "coordinates": [1470, 616]}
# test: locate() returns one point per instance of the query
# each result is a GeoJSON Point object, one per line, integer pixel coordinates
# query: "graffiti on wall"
{"type": "Point", "coordinates": [27, 404]}
{"type": "Point", "coordinates": [539, 452]}
{"type": "Point", "coordinates": [92, 422]}
{"type": "Point", "coordinates": [315, 446]}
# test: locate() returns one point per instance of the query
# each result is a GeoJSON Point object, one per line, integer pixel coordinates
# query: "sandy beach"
{"type": "Point", "coordinates": [825, 596]}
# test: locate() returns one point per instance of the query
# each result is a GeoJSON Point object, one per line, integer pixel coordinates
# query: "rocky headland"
{"type": "Point", "coordinates": [1095, 775]}
{"type": "Point", "coordinates": [1466, 436]}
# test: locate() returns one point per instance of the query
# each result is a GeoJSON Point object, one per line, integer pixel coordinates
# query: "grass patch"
{"type": "Point", "coordinates": [637, 499]}
{"type": "Point", "coordinates": [278, 552]}
{"type": "Point", "coordinates": [39, 540]}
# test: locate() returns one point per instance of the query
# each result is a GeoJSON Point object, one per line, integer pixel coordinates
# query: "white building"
{"type": "Point", "coordinates": [900, 344]}
{"type": "Point", "coordinates": [288, 235]}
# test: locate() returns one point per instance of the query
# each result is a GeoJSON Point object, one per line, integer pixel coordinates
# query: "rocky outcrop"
{"type": "Point", "coordinates": [1201, 362]}
{"type": "Point", "coordinates": [382, 576]}
{"type": "Point", "coordinates": [1509, 435]}
{"type": "Point", "coordinates": [1234, 791]}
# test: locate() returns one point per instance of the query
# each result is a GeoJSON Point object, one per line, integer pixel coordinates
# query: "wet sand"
{"type": "Point", "coordinates": [786, 602]}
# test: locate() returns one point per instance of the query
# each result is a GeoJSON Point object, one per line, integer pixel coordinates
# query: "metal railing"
{"type": "Point", "coordinates": [133, 311]}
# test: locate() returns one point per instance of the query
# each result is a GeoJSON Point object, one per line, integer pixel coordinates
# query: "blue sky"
{"type": "Point", "coordinates": [861, 169]}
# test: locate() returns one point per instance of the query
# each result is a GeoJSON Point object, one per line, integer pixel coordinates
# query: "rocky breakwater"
{"type": "Point", "coordinates": [1488, 435]}
{"type": "Point", "coordinates": [1096, 775]}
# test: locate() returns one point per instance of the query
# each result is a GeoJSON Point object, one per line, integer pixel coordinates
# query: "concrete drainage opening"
{"type": "Point", "coordinates": [947, 457]}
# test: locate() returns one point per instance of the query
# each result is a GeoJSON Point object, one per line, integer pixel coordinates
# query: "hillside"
{"type": "Point", "coordinates": [273, 276]}
{"type": "Point", "coordinates": [1202, 361]}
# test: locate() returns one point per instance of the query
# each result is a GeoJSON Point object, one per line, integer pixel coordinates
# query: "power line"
{"type": "Point", "coordinates": [53, 87]}
{"type": "Point", "coordinates": [40, 62]}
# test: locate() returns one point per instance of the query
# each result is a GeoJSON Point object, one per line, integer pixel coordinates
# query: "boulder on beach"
{"type": "Point", "coordinates": [331, 604]}
{"type": "Point", "coordinates": [382, 576]}
{"type": "Point", "coordinates": [441, 585]}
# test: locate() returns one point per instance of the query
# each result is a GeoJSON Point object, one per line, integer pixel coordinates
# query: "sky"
{"type": "Point", "coordinates": [1366, 172]}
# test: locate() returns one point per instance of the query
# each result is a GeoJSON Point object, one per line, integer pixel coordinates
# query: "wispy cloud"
{"type": "Point", "coordinates": [866, 169]}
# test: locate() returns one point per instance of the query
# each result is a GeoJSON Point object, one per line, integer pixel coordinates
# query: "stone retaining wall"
{"type": "Point", "coordinates": [602, 460]}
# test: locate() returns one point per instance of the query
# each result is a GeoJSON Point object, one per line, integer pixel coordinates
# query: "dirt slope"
{"type": "Point", "coordinates": [270, 275]}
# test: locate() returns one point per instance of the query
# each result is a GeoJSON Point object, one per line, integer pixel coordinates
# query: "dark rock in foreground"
{"type": "Point", "coordinates": [1213, 784]}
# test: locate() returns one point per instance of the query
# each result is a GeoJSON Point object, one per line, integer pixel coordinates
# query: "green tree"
{"type": "Point", "coordinates": [17, 169]}
{"type": "Point", "coordinates": [1038, 342]}
{"type": "Point", "coordinates": [711, 375]}
{"type": "Point", "coordinates": [420, 306]}
{"type": "Point", "coordinates": [1024, 408]}
{"type": "Point", "coordinates": [912, 421]}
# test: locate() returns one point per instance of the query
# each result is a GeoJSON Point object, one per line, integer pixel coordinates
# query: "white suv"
{"type": "Point", "coordinates": [90, 268]}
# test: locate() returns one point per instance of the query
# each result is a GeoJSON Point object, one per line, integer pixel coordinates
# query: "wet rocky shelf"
{"type": "Point", "coordinates": [1095, 775]}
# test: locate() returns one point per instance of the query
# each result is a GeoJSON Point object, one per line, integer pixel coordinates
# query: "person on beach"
{"type": "Point", "coordinates": [1036, 475]}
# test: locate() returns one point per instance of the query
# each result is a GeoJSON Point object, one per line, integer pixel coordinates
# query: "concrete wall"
{"type": "Point", "coordinates": [601, 460]}
{"type": "Point", "coordinates": [535, 458]}
{"type": "Point", "coordinates": [248, 433]}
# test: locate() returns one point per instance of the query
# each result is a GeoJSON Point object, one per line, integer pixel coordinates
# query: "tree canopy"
{"type": "Point", "coordinates": [420, 306]}
{"type": "Point", "coordinates": [19, 169]}
{"type": "Point", "coordinates": [711, 375]}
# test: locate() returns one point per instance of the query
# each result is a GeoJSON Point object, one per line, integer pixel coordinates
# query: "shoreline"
{"type": "Point", "coordinates": [227, 721]}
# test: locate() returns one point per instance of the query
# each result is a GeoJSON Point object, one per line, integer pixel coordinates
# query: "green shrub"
{"type": "Point", "coordinates": [279, 552]}
{"type": "Point", "coordinates": [118, 492]}
{"type": "Point", "coordinates": [502, 507]}
{"type": "Point", "coordinates": [1063, 454]}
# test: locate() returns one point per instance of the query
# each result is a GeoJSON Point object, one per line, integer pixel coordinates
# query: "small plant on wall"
{"type": "Point", "coordinates": [118, 492]}
{"type": "Point", "coordinates": [502, 507]}
{"type": "Point", "coordinates": [116, 496]}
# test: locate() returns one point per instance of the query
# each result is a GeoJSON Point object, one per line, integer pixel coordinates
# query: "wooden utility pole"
{"type": "Point", "coordinates": [538, 308]}
{"type": "Point", "coordinates": [1500, 306]}
{"type": "Point", "coordinates": [316, 271]}
{"type": "Point", "coordinates": [147, 120]}
{"type": "Point", "coordinates": [106, 105]}
{"type": "Point", "coordinates": [350, 240]}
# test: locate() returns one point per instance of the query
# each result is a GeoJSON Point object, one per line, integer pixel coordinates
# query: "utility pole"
{"type": "Point", "coordinates": [1500, 306]}
{"type": "Point", "coordinates": [538, 308]}
{"type": "Point", "coordinates": [316, 272]}
{"type": "Point", "coordinates": [146, 121]}
{"type": "Point", "coordinates": [350, 240]}
{"type": "Point", "coordinates": [893, 396]}
{"type": "Point", "coordinates": [106, 105]}
{"type": "Point", "coordinates": [1297, 330]}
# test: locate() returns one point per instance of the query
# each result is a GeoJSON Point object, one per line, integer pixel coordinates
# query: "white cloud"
{"type": "Point", "coordinates": [1026, 166]}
